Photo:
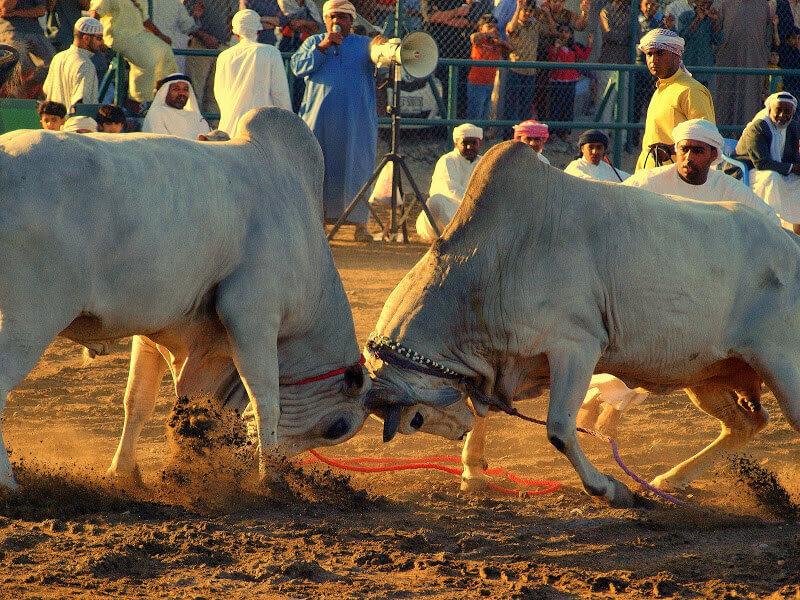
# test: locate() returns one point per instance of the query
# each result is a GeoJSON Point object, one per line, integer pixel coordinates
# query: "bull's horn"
{"type": "Point", "coordinates": [391, 421]}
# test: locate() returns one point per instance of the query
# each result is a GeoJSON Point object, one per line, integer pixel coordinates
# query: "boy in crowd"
{"type": "Point", "coordinates": [110, 119]}
{"type": "Point", "coordinates": [52, 115]}
{"type": "Point", "coordinates": [486, 45]}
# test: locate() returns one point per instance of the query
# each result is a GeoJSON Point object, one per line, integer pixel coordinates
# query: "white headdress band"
{"type": "Point", "coordinates": [467, 130]}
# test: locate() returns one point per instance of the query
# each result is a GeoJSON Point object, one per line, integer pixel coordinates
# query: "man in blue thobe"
{"type": "Point", "coordinates": [339, 107]}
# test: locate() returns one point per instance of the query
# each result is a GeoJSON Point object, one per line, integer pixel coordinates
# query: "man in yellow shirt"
{"type": "Point", "coordinates": [678, 97]}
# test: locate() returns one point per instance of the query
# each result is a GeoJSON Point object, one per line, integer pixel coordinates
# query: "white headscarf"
{"type": "Point", "coordinates": [778, 133]}
{"type": "Point", "coordinates": [74, 124]}
{"type": "Point", "coordinates": [699, 130]}
{"type": "Point", "coordinates": [663, 39]}
{"type": "Point", "coordinates": [341, 6]}
{"type": "Point", "coordinates": [467, 130]}
{"type": "Point", "coordinates": [187, 122]}
{"type": "Point", "coordinates": [246, 23]}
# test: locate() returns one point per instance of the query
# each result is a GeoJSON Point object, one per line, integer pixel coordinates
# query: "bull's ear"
{"type": "Point", "coordinates": [354, 381]}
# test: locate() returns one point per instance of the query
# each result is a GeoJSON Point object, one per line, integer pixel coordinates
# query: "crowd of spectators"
{"type": "Point", "coordinates": [339, 96]}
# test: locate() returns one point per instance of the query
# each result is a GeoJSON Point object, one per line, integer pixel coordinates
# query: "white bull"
{"type": "Point", "coordinates": [216, 251]}
{"type": "Point", "coordinates": [543, 279]}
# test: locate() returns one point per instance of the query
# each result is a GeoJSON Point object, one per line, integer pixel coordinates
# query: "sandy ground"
{"type": "Point", "coordinates": [410, 534]}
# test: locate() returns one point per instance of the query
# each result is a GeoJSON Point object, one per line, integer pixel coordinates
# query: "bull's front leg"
{"type": "Point", "coordinates": [473, 457]}
{"type": "Point", "coordinates": [570, 374]}
{"type": "Point", "coordinates": [144, 378]}
{"type": "Point", "coordinates": [254, 349]}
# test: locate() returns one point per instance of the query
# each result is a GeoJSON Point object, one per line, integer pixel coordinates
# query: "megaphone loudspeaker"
{"type": "Point", "coordinates": [418, 54]}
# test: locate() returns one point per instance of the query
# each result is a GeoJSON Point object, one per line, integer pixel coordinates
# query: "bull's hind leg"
{"type": "Point", "coordinates": [473, 459]}
{"type": "Point", "coordinates": [569, 376]}
{"type": "Point", "coordinates": [740, 421]}
{"type": "Point", "coordinates": [144, 377]}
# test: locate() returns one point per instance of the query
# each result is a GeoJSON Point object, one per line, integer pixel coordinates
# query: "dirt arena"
{"type": "Point", "coordinates": [409, 534]}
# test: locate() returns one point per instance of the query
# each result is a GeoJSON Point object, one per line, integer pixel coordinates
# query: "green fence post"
{"type": "Point", "coordinates": [452, 93]}
{"type": "Point", "coordinates": [619, 114]}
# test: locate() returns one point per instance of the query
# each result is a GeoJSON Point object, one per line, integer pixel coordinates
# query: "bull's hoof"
{"type": "Point", "coordinates": [8, 482]}
{"type": "Point", "coordinates": [621, 496]}
{"type": "Point", "coordinates": [126, 480]}
{"type": "Point", "coordinates": [663, 483]}
{"type": "Point", "coordinates": [474, 484]}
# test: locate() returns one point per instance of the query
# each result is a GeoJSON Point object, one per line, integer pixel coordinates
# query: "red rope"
{"type": "Point", "coordinates": [327, 375]}
{"type": "Point", "coordinates": [407, 464]}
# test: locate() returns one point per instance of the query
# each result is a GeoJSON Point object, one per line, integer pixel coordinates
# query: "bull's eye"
{"type": "Point", "coordinates": [417, 421]}
{"type": "Point", "coordinates": [339, 427]}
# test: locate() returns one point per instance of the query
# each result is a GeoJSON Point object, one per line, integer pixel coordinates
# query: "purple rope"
{"type": "Point", "coordinates": [615, 451]}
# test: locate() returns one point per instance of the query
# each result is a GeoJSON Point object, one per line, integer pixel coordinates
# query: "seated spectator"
{"type": "Point", "coordinates": [769, 144]}
{"type": "Point", "coordinates": [593, 162]}
{"type": "Point", "coordinates": [128, 31]}
{"type": "Point", "coordinates": [110, 119]}
{"type": "Point", "coordinates": [698, 144]}
{"type": "Point", "coordinates": [72, 77]}
{"type": "Point", "coordinates": [450, 178]}
{"type": "Point", "coordinates": [79, 124]}
{"type": "Point", "coordinates": [52, 115]}
{"type": "Point", "coordinates": [563, 81]}
{"type": "Point", "coordinates": [534, 134]}
{"type": "Point", "coordinates": [789, 58]}
{"type": "Point", "coordinates": [249, 74]}
{"type": "Point", "coordinates": [702, 33]}
{"type": "Point", "coordinates": [486, 45]}
{"type": "Point", "coordinates": [20, 29]}
{"type": "Point", "coordinates": [174, 110]}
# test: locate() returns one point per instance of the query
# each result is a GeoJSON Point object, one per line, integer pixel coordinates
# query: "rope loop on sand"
{"type": "Point", "coordinates": [432, 462]}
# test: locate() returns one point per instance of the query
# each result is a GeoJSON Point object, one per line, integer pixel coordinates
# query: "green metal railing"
{"type": "Point", "coordinates": [623, 120]}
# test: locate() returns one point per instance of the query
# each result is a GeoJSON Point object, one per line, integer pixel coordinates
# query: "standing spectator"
{"type": "Point", "coordinates": [20, 29]}
{"type": "Point", "coordinates": [555, 12]}
{"type": "Point", "coordinates": [523, 31]}
{"type": "Point", "coordinates": [128, 30]}
{"type": "Point", "coordinates": [747, 39]}
{"type": "Point", "coordinates": [339, 107]}
{"type": "Point", "coordinates": [176, 23]}
{"type": "Point", "coordinates": [678, 97]}
{"type": "Point", "coordinates": [72, 77]}
{"type": "Point", "coordinates": [615, 25]}
{"type": "Point", "coordinates": [248, 74]}
{"type": "Point", "coordinates": [174, 110]}
{"type": "Point", "coordinates": [486, 45]}
{"type": "Point", "coordinates": [214, 33]}
{"type": "Point", "coordinates": [449, 180]}
{"type": "Point", "coordinates": [451, 23]}
{"type": "Point", "coordinates": [789, 58]}
{"type": "Point", "coordinates": [562, 81]}
{"type": "Point", "coordinates": [110, 119]}
{"type": "Point", "coordinates": [649, 19]}
{"type": "Point", "coordinates": [702, 33]}
{"type": "Point", "coordinates": [272, 18]}
{"type": "Point", "coordinates": [676, 8]}
{"type": "Point", "coordinates": [52, 115]}
{"type": "Point", "coordinates": [61, 18]}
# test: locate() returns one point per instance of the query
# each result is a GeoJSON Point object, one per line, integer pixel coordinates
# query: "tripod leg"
{"type": "Point", "coordinates": [360, 196]}
{"type": "Point", "coordinates": [417, 196]}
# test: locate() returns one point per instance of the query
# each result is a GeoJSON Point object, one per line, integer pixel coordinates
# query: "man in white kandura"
{"type": "Point", "coordinates": [593, 164]}
{"type": "Point", "coordinates": [249, 74]}
{"type": "Point", "coordinates": [771, 145]}
{"type": "Point", "coordinates": [450, 178]}
{"type": "Point", "coordinates": [174, 110]}
{"type": "Point", "coordinates": [72, 77]}
{"type": "Point", "coordinates": [697, 147]}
